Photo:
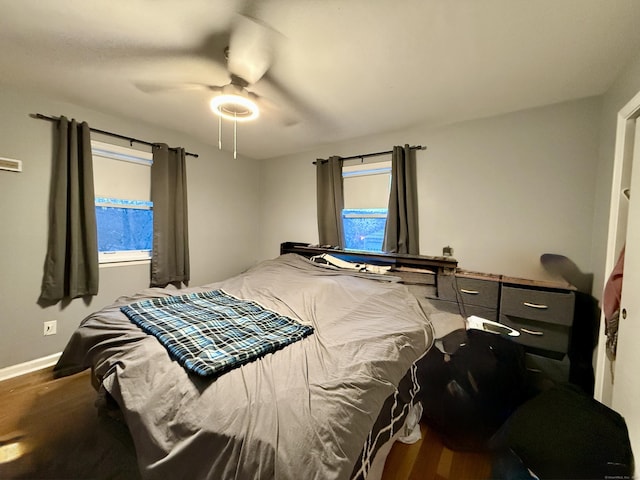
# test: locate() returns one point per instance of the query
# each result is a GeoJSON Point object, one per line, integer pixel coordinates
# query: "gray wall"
{"type": "Point", "coordinates": [223, 220]}
{"type": "Point", "coordinates": [501, 191]}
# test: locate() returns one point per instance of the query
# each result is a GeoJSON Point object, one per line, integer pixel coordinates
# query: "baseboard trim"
{"type": "Point", "coordinates": [28, 367]}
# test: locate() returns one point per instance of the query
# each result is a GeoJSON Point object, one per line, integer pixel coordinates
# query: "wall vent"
{"type": "Point", "coordinates": [10, 164]}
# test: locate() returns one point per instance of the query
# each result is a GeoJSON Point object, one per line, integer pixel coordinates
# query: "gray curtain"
{"type": "Point", "coordinates": [330, 201]}
{"type": "Point", "coordinates": [71, 263]}
{"type": "Point", "coordinates": [401, 231]}
{"type": "Point", "coordinates": [170, 259]}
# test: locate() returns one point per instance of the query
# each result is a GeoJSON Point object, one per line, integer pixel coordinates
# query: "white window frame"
{"type": "Point", "coordinates": [363, 215]}
{"type": "Point", "coordinates": [124, 154]}
{"type": "Point", "coordinates": [365, 169]}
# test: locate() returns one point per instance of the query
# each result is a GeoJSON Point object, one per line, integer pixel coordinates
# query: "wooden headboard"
{"type": "Point", "coordinates": [398, 261]}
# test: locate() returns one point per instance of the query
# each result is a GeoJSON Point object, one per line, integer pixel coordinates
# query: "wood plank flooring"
{"type": "Point", "coordinates": [62, 435]}
{"type": "Point", "coordinates": [429, 459]}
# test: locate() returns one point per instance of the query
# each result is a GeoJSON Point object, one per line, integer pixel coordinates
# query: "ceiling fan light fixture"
{"type": "Point", "coordinates": [234, 107]}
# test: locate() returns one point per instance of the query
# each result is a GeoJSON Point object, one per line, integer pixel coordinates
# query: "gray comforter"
{"type": "Point", "coordinates": [303, 412]}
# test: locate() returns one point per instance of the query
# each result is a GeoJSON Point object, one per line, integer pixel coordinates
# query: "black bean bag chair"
{"type": "Point", "coordinates": [468, 391]}
{"type": "Point", "coordinates": [563, 433]}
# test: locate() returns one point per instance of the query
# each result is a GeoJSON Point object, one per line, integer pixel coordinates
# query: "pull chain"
{"type": "Point", "coordinates": [235, 135]}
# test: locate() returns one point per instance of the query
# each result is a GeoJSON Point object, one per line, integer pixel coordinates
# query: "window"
{"type": "Point", "coordinates": [124, 211]}
{"type": "Point", "coordinates": [366, 198]}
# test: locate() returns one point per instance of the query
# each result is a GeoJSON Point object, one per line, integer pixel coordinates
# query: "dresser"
{"type": "Point", "coordinates": [543, 313]}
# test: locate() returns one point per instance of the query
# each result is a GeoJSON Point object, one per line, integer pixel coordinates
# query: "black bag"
{"type": "Point", "coordinates": [563, 433]}
{"type": "Point", "coordinates": [467, 395]}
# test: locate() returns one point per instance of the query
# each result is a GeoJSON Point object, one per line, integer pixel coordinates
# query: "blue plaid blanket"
{"type": "Point", "coordinates": [212, 332]}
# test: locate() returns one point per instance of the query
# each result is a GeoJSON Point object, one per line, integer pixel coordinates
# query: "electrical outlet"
{"type": "Point", "coordinates": [50, 328]}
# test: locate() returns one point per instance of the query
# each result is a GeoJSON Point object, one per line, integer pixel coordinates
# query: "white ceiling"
{"type": "Point", "coordinates": [351, 67]}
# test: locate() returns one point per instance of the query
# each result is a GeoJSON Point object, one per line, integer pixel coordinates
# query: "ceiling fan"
{"type": "Point", "coordinates": [248, 56]}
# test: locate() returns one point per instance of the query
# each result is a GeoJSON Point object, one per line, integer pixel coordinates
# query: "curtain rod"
{"type": "Point", "coordinates": [110, 134]}
{"type": "Point", "coordinates": [366, 155]}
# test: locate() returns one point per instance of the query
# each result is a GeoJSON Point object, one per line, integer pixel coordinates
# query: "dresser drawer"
{"type": "Point", "coordinates": [471, 291]}
{"type": "Point", "coordinates": [422, 291]}
{"type": "Point", "coordinates": [552, 337]}
{"type": "Point", "coordinates": [542, 305]}
{"type": "Point", "coordinates": [415, 278]}
{"type": "Point", "coordinates": [544, 372]}
{"type": "Point", "coordinates": [454, 307]}
{"type": "Point", "coordinates": [555, 370]}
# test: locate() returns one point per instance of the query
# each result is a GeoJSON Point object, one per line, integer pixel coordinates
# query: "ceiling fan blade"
{"type": "Point", "coordinates": [150, 87]}
{"type": "Point", "coordinates": [250, 48]}
{"type": "Point", "coordinates": [271, 110]}
{"type": "Point", "coordinates": [305, 111]}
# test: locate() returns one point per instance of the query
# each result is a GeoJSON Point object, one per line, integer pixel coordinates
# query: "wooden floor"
{"type": "Point", "coordinates": [428, 459]}
{"type": "Point", "coordinates": [54, 429]}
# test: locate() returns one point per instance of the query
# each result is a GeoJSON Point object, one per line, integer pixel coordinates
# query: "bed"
{"type": "Point", "coordinates": [320, 407]}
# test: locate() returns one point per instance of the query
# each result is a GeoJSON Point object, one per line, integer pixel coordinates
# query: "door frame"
{"type": "Point", "coordinates": [623, 152]}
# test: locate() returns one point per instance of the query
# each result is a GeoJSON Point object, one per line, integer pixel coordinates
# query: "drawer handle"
{"type": "Point", "coordinates": [539, 306]}
{"type": "Point", "coordinates": [470, 292]}
{"type": "Point", "coordinates": [532, 332]}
